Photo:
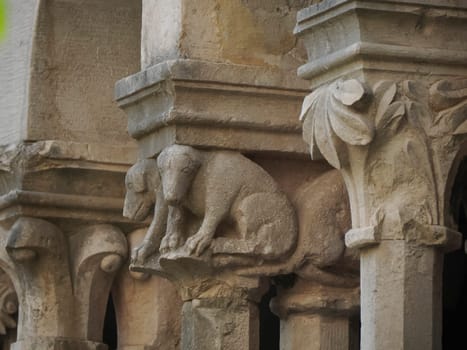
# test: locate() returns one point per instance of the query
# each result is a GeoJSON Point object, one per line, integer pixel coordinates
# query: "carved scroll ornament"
{"type": "Point", "coordinates": [394, 143]}
{"type": "Point", "coordinates": [8, 304]}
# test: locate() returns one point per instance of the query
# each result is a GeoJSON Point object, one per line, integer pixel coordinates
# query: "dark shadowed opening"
{"type": "Point", "coordinates": [269, 329]}
{"type": "Point", "coordinates": [455, 273]}
{"type": "Point", "coordinates": [110, 326]}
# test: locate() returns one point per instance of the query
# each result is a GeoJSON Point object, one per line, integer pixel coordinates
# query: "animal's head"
{"type": "Point", "coordinates": [142, 181]}
{"type": "Point", "coordinates": [177, 166]}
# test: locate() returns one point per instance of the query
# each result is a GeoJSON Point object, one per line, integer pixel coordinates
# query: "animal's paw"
{"type": "Point", "coordinates": [170, 243]}
{"type": "Point", "coordinates": [165, 246]}
{"type": "Point", "coordinates": [141, 253]}
{"type": "Point", "coordinates": [197, 244]}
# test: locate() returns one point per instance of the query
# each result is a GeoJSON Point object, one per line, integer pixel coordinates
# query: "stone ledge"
{"type": "Point", "coordinates": [223, 106]}
{"type": "Point", "coordinates": [64, 180]}
{"type": "Point", "coordinates": [359, 38]}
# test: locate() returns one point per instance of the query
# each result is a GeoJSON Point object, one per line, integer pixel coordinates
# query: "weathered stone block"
{"type": "Point", "coordinates": [367, 38]}
{"type": "Point", "coordinates": [213, 105]}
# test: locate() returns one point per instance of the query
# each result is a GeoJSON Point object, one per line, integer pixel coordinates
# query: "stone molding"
{"type": "Point", "coordinates": [55, 179]}
{"type": "Point", "coordinates": [405, 134]}
{"type": "Point", "coordinates": [220, 106]}
{"type": "Point", "coordinates": [394, 38]}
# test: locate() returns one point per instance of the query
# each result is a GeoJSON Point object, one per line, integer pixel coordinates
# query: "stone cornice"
{"type": "Point", "coordinates": [209, 72]}
{"type": "Point", "coordinates": [396, 38]}
{"type": "Point", "coordinates": [64, 180]}
{"type": "Point", "coordinates": [195, 103]}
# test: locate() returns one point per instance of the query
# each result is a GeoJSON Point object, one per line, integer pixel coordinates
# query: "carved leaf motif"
{"type": "Point", "coordinates": [417, 153]}
{"type": "Point", "coordinates": [349, 125]}
{"type": "Point", "coordinates": [329, 120]}
{"type": "Point", "coordinates": [419, 115]}
{"type": "Point", "coordinates": [461, 129]}
{"type": "Point", "coordinates": [330, 146]}
{"type": "Point", "coordinates": [348, 92]}
{"type": "Point", "coordinates": [447, 93]}
{"type": "Point", "coordinates": [308, 124]}
{"type": "Point", "coordinates": [384, 91]}
{"type": "Point", "coordinates": [393, 116]}
{"type": "Point", "coordinates": [449, 98]}
{"type": "Point", "coordinates": [8, 303]}
{"type": "Point", "coordinates": [388, 113]}
{"type": "Point", "coordinates": [415, 90]}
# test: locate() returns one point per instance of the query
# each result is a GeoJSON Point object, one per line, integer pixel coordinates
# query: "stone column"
{"type": "Point", "coordinates": [395, 150]}
{"type": "Point", "coordinates": [220, 322]}
{"type": "Point", "coordinates": [63, 282]}
{"type": "Point", "coordinates": [148, 308]}
{"type": "Point", "coordinates": [389, 113]}
{"type": "Point", "coordinates": [316, 317]}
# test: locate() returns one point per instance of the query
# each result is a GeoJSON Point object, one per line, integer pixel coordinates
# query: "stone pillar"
{"type": "Point", "coordinates": [392, 119]}
{"type": "Point", "coordinates": [316, 309]}
{"type": "Point", "coordinates": [148, 308]}
{"type": "Point", "coordinates": [397, 179]}
{"type": "Point", "coordinates": [63, 282]}
{"type": "Point", "coordinates": [220, 323]}
{"type": "Point", "coordinates": [316, 317]}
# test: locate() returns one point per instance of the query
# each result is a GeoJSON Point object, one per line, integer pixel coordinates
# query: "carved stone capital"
{"type": "Point", "coordinates": [216, 214]}
{"type": "Point", "coordinates": [63, 282]}
{"type": "Point", "coordinates": [396, 144]}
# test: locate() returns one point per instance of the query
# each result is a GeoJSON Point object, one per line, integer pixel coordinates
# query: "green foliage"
{"type": "Point", "coordinates": [3, 18]}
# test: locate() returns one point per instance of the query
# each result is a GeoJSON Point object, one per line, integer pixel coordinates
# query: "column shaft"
{"type": "Point", "coordinates": [401, 296]}
{"type": "Point", "coordinates": [215, 325]}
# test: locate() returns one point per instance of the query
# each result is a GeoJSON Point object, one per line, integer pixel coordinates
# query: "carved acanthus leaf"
{"type": "Point", "coordinates": [449, 99]}
{"type": "Point", "coordinates": [331, 119]}
{"type": "Point", "coordinates": [389, 113]}
{"type": "Point", "coordinates": [447, 93]}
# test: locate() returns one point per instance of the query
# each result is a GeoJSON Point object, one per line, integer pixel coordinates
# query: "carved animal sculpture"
{"type": "Point", "coordinates": [213, 187]}
{"type": "Point", "coordinates": [218, 187]}
{"type": "Point", "coordinates": [143, 191]}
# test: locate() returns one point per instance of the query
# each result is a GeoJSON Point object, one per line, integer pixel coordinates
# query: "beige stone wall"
{"type": "Point", "coordinates": [82, 49]}
{"type": "Point", "coordinates": [253, 32]}
{"type": "Point", "coordinates": [60, 71]}
{"type": "Point", "coordinates": [15, 55]}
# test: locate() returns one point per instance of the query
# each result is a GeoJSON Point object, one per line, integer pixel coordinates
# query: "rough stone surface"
{"type": "Point", "coordinates": [396, 134]}
{"type": "Point", "coordinates": [213, 105]}
{"type": "Point", "coordinates": [253, 32]}
{"type": "Point", "coordinates": [203, 186]}
{"type": "Point", "coordinates": [46, 92]}
{"type": "Point", "coordinates": [148, 308]}
{"type": "Point", "coordinates": [220, 324]}
{"type": "Point", "coordinates": [62, 280]}
{"type": "Point", "coordinates": [367, 39]}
